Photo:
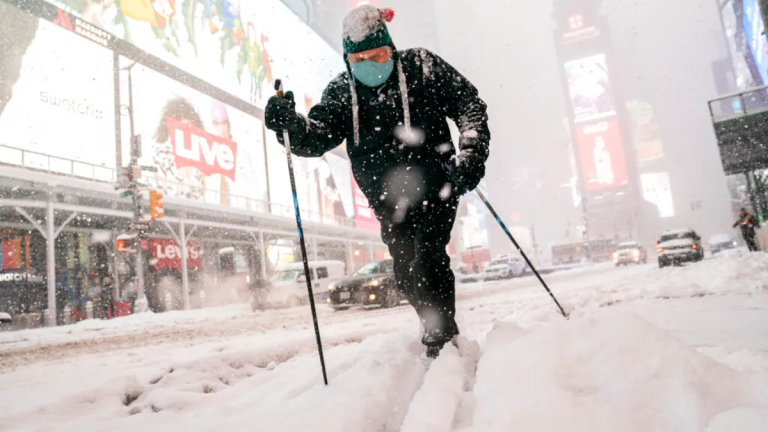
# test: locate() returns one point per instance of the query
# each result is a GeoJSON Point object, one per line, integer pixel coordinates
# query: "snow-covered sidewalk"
{"type": "Point", "coordinates": [681, 349]}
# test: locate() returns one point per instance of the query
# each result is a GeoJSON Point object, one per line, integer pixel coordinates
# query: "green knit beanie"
{"type": "Point", "coordinates": [365, 28]}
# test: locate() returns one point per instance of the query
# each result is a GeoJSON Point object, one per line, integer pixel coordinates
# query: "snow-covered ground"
{"type": "Point", "coordinates": [679, 349]}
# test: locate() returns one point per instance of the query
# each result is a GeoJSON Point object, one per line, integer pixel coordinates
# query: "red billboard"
{"type": "Point", "coordinates": [601, 153]}
{"type": "Point", "coordinates": [199, 149]}
{"type": "Point", "coordinates": [168, 254]}
{"type": "Point", "coordinates": [364, 215]}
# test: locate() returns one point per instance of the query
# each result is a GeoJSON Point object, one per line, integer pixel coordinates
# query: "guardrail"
{"type": "Point", "coordinates": [56, 165]}
{"type": "Point", "coordinates": [739, 104]}
{"type": "Point", "coordinates": [71, 168]}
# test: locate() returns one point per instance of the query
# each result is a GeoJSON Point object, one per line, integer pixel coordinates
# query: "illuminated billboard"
{"type": "Point", "coordinates": [590, 89]}
{"type": "Point", "coordinates": [601, 152]}
{"type": "Point", "coordinates": [364, 215]}
{"type": "Point", "coordinates": [238, 46]}
{"type": "Point", "coordinates": [200, 148]}
{"type": "Point", "coordinates": [56, 98]}
{"type": "Point", "coordinates": [657, 190]}
{"type": "Point", "coordinates": [756, 40]}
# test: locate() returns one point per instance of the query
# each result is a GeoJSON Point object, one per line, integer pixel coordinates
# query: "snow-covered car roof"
{"type": "Point", "coordinates": [721, 238]}
{"type": "Point", "coordinates": [676, 242]}
{"type": "Point", "coordinates": [631, 243]}
{"type": "Point", "coordinates": [5, 316]}
{"type": "Point", "coordinates": [497, 266]}
{"type": "Point", "coordinates": [679, 231]}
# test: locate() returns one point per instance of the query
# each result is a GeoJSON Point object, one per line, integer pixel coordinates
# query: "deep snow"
{"type": "Point", "coordinates": [679, 349]}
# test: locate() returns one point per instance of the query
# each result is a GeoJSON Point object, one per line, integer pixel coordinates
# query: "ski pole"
{"type": "Point", "coordinates": [514, 242]}
{"type": "Point", "coordinates": [519, 249]}
{"type": "Point", "coordinates": [287, 142]}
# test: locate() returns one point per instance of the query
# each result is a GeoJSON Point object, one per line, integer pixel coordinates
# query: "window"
{"type": "Point", "coordinates": [322, 272]}
{"type": "Point", "coordinates": [387, 267]}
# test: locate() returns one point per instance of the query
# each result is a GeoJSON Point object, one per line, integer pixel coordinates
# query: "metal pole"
{"type": "Point", "coordinates": [370, 253]}
{"type": "Point", "coordinates": [184, 272]}
{"type": "Point", "coordinates": [263, 255]}
{"type": "Point", "coordinates": [586, 228]}
{"type": "Point", "coordinates": [50, 264]}
{"type": "Point", "coordinates": [302, 242]}
{"type": "Point", "coordinates": [115, 273]}
{"type": "Point", "coordinates": [314, 250]}
{"type": "Point", "coordinates": [350, 257]}
{"type": "Point", "coordinates": [135, 189]}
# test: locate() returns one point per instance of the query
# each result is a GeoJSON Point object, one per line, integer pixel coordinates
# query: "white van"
{"type": "Point", "coordinates": [289, 287]}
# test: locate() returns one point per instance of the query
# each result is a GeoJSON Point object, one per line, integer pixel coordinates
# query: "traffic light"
{"type": "Point", "coordinates": [126, 245]}
{"type": "Point", "coordinates": [156, 209]}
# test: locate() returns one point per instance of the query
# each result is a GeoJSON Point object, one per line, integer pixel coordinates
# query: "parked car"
{"type": "Point", "coordinates": [289, 285]}
{"type": "Point", "coordinates": [5, 321]}
{"type": "Point", "coordinates": [505, 267]}
{"type": "Point", "coordinates": [371, 285]}
{"type": "Point", "coordinates": [463, 275]}
{"type": "Point", "coordinates": [678, 246]}
{"type": "Point", "coordinates": [721, 242]}
{"type": "Point", "coordinates": [630, 253]}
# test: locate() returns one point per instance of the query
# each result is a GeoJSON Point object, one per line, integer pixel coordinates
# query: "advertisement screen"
{"type": "Point", "coordinates": [590, 88]}
{"type": "Point", "coordinates": [198, 147]}
{"type": "Point", "coordinates": [331, 187]}
{"type": "Point", "coordinates": [602, 155]}
{"type": "Point", "coordinates": [736, 45]}
{"type": "Point", "coordinates": [56, 98]}
{"type": "Point", "coordinates": [756, 40]}
{"type": "Point", "coordinates": [238, 46]}
{"type": "Point", "coordinates": [657, 190]}
{"type": "Point", "coordinates": [364, 215]}
{"type": "Point", "coordinates": [646, 132]}
{"type": "Point", "coordinates": [474, 229]}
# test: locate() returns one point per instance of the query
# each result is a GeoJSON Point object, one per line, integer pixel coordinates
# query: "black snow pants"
{"type": "Point", "coordinates": [749, 238]}
{"type": "Point", "coordinates": [423, 273]}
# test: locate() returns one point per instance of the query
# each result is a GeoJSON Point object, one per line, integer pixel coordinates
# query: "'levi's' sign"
{"type": "Point", "coordinates": [197, 148]}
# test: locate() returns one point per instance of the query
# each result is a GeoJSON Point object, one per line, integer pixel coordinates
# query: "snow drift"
{"type": "Point", "coordinates": [606, 373]}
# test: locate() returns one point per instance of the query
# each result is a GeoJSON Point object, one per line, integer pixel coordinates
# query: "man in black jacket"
{"type": "Point", "coordinates": [391, 107]}
{"type": "Point", "coordinates": [748, 224]}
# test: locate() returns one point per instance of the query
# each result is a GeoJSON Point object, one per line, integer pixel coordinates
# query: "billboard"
{"type": "Point", "coordinates": [657, 190]}
{"type": "Point", "coordinates": [331, 187]}
{"type": "Point", "coordinates": [646, 132]}
{"type": "Point", "coordinates": [756, 40]}
{"type": "Point", "coordinates": [737, 44]}
{"type": "Point", "coordinates": [238, 46]}
{"type": "Point", "coordinates": [364, 215]}
{"type": "Point", "coordinates": [601, 154]}
{"type": "Point", "coordinates": [166, 253]}
{"type": "Point", "coordinates": [590, 89]}
{"type": "Point", "coordinates": [200, 148]}
{"type": "Point", "coordinates": [56, 98]}
{"type": "Point", "coordinates": [474, 226]}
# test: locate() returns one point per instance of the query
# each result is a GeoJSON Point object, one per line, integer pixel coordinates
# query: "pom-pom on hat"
{"type": "Point", "coordinates": [365, 28]}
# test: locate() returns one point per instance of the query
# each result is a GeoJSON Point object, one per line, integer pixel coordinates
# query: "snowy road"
{"type": "Point", "coordinates": [645, 349]}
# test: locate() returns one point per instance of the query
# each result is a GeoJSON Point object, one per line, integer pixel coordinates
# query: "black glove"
{"type": "Point", "coordinates": [467, 171]}
{"type": "Point", "coordinates": [281, 115]}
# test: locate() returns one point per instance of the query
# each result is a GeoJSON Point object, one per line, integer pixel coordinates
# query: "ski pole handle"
{"type": "Point", "coordinates": [286, 137]}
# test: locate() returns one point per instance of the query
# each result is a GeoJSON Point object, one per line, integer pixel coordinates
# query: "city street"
{"type": "Point", "coordinates": [231, 368]}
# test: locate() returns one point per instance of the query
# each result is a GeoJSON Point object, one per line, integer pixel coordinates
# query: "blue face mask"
{"type": "Point", "coordinates": [371, 73]}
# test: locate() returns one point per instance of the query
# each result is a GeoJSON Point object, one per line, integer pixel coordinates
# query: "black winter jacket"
{"type": "Point", "coordinates": [386, 168]}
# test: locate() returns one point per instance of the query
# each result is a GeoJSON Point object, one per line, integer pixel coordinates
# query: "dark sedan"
{"type": "Point", "coordinates": [371, 285]}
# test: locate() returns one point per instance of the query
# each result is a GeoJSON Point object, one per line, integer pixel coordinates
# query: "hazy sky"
{"type": "Point", "coordinates": [664, 51]}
